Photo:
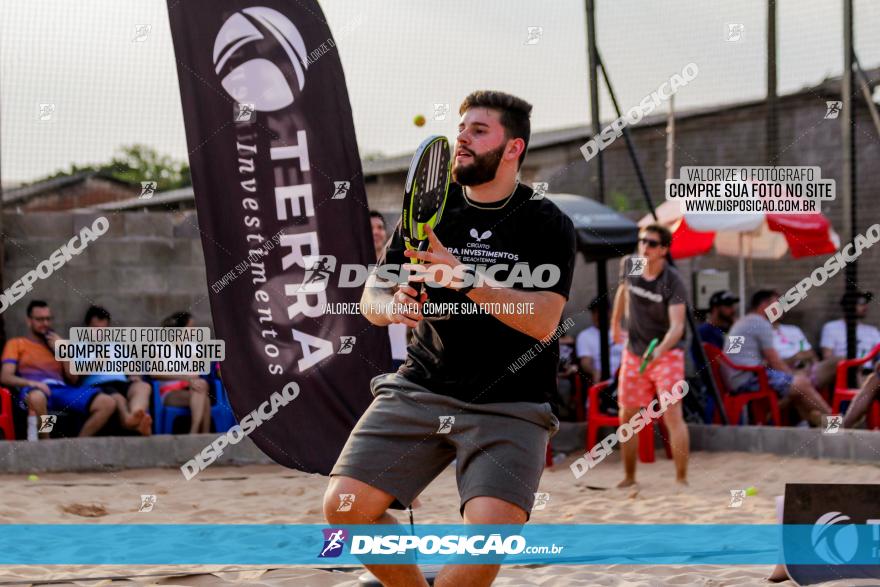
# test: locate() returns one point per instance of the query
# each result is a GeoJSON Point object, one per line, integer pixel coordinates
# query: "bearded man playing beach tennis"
{"type": "Point", "coordinates": [652, 296]}
{"type": "Point", "coordinates": [461, 394]}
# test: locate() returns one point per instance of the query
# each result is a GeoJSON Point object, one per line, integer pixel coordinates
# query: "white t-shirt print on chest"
{"type": "Point", "coordinates": [482, 246]}
{"type": "Point", "coordinates": [479, 236]}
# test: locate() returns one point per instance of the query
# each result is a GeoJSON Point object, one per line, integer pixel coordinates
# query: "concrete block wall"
{"type": "Point", "coordinates": [116, 453]}
{"type": "Point", "coordinates": [109, 453]}
{"type": "Point", "coordinates": [145, 267]}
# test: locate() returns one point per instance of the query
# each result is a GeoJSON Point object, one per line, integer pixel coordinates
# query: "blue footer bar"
{"type": "Point", "coordinates": [312, 544]}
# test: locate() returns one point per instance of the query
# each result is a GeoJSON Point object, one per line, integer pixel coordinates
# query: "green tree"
{"type": "Point", "coordinates": [138, 163]}
{"type": "Point", "coordinates": [619, 201]}
{"type": "Point", "coordinates": [622, 202]}
{"type": "Point", "coordinates": [134, 164]}
{"type": "Point", "coordinates": [372, 155]}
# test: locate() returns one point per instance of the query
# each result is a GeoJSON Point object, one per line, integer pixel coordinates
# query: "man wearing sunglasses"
{"type": "Point", "coordinates": [652, 297]}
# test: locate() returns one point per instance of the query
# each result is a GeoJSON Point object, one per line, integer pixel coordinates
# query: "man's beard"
{"type": "Point", "coordinates": [481, 170]}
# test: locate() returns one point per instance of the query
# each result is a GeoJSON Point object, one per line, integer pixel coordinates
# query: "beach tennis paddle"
{"type": "Point", "coordinates": [424, 198]}
{"type": "Point", "coordinates": [646, 358]}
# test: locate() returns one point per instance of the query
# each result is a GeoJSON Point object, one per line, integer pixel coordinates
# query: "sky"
{"type": "Point", "coordinates": [109, 90]}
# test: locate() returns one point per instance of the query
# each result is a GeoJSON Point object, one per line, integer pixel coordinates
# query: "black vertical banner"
{"type": "Point", "coordinates": [282, 207]}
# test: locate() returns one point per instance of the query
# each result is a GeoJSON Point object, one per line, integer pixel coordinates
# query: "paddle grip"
{"type": "Point", "coordinates": [423, 246]}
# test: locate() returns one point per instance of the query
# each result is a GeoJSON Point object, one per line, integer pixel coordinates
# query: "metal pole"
{"type": "Point", "coordinates": [670, 139]}
{"type": "Point", "coordinates": [597, 177]}
{"type": "Point", "coordinates": [866, 92]}
{"type": "Point", "coordinates": [772, 144]}
{"type": "Point", "coordinates": [640, 175]}
{"type": "Point", "coordinates": [741, 277]}
{"type": "Point", "coordinates": [705, 374]}
{"type": "Point", "coordinates": [849, 182]}
{"type": "Point", "coordinates": [597, 183]}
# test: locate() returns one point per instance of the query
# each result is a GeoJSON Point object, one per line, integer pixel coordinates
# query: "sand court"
{"type": "Point", "coordinates": [269, 494]}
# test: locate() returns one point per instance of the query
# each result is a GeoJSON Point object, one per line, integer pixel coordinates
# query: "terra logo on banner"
{"type": "Point", "coordinates": [259, 81]}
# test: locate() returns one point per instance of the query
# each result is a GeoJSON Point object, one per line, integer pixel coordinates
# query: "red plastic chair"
{"type": "Point", "coordinates": [579, 413]}
{"type": "Point", "coordinates": [734, 404]}
{"type": "Point", "coordinates": [842, 393]}
{"type": "Point", "coordinates": [596, 419]}
{"type": "Point", "coordinates": [6, 423]}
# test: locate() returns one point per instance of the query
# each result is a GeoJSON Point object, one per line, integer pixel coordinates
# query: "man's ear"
{"type": "Point", "coordinates": [515, 147]}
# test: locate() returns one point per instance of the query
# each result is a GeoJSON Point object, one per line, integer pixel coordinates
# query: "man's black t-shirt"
{"type": "Point", "coordinates": [474, 357]}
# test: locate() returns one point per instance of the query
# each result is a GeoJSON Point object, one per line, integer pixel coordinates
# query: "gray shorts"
{"type": "Point", "coordinates": [407, 437]}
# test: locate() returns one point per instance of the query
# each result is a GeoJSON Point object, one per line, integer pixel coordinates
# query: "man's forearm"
{"type": "Point", "coordinates": [587, 368]}
{"type": "Point", "coordinates": [539, 323]}
{"type": "Point", "coordinates": [617, 309]}
{"type": "Point", "coordinates": [14, 381]}
{"type": "Point", "coordinates": [779, 365]}
{"type": "Point", "coordinates": [67, 372]}
{"type": "Point", "coordinates": [804, 356]}
{"type": "Point", "coordinates": [673, 335]}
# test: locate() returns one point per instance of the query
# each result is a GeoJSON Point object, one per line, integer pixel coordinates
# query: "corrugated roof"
{"type": "Point", "coordinates": [155, 201]}
{"type": "Point", "coordinates": [50, 185]}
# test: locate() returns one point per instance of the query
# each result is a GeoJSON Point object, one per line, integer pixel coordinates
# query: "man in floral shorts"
{"type": "Point", "coordinates": [652, 296]}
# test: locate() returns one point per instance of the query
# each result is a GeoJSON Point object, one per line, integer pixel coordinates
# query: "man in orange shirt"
{"type": "Point", "coordinates": [46, 384]}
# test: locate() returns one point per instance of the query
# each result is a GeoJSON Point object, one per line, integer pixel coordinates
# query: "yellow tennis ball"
{"type": "Point", "coordinates": [419, 120]}
{"type": "Point", "coordinates": [752, 490]}
{"type": "Point", "coordinates": [33, 478]}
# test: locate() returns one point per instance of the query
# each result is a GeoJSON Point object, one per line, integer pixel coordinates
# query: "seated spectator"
{"type": "Point", "coordinates": [792, 345]}
{"type": "Point", "coordinates": [186, 390]}
{"type": "Point", "coordinates": [565, 370]}
{"type": "Point", "coordinates": [46, 384]}
{"type": "Point", "coordinates": [723, 307]}
{"type": "Point", "coordinates": [588, 348]}
{"type": "Point", "coordinates": [131, 394]}
{"type": "Point", "coordinates": [859, 406]}
{"type": "Point", "coordinates": [757, 349]}
{"type": "Point", "coordinates": [833, 340]}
